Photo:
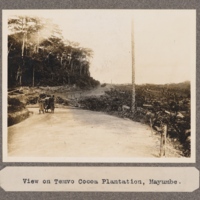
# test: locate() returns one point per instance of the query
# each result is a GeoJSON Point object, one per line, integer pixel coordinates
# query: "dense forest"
{"type": "Point", "coordinates": [38, 55]}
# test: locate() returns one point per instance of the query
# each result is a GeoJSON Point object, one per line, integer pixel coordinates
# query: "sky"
{"type": "Point", "coordinates": [164, 42]}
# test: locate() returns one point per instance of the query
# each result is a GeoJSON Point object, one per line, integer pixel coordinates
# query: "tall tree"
{"type": "Point", "coordinates": [31, 40]}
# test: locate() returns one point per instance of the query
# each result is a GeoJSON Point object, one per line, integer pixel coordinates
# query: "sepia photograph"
{"type": "Point", "coordinates": [99, 86]}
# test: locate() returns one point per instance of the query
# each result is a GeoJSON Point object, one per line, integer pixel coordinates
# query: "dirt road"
{"type": "Point", "coordinates": [81, 133]}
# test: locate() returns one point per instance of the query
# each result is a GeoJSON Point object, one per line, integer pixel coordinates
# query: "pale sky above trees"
{"type": "Point", "coordinates": [164, 40]}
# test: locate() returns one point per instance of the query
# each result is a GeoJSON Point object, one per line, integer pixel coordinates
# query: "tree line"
{"type": "Point", "coordinates": [38, 54]}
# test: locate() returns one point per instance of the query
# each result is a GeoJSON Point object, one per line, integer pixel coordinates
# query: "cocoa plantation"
{"type": "Point", "coordinates": [155, 104]}
{"type": "Point", "coordinates": [42, 64]}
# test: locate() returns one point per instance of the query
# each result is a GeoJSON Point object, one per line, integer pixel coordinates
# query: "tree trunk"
{"type": "Point", "coordinates": [23, 43]}
{"type": "Point", "coordinates": [23, 39]}
{"type": "Point", "coordinates": [26, 42]}
{"type": "Point", "coordinates": [72, 66]}
{"type": "Point", "coordinates": [80, 68]}
{"type": "Point", "coordinates": [9, 48]}
{"type": "Point", "coordinates": [33, 83]}
{"type": "Point", "coordinates": [68, 79]}
{"type": "Point", "coordinates": [38, 41]}
{"type": "Point", "coordinates": [20, 80]}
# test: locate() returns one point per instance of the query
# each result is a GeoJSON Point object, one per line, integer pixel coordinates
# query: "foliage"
{"type": "Point", "coordinates": [168, 104]}
{"type": "Point", "coordinates": [15, 105]}
{"type": "Point", "coordinates": [39, 55]}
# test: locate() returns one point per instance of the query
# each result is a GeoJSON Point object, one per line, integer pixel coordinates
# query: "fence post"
{"type": "Point", "coordinates": [151, 124]}
{"type": "Point", "coordinates": [163, 141]}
